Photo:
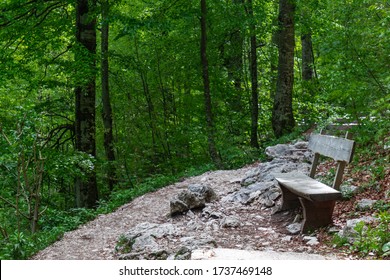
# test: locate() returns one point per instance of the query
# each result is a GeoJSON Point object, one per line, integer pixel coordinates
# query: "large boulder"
{"type": "Point", "coordinates": [195, 197]}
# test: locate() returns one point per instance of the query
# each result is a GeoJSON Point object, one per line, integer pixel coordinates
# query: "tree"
{"type": "Point", "coordinates": [307, 52]}
{"type": "Point", "coordinates": [85, 92]}
{"type": "Point", "coordinates": [232, 48]}
{"type": "Point", "coordinates": [106, 101]}
{"type": "Point", "coordinates": [206, 87]}
{"type": "Point", "coordinates": [254, 79]}
{"type": "Point", "coordinates": [282, 115]}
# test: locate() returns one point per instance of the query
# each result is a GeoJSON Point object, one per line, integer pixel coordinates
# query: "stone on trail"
{"type": "Point", "coordinates": [294, 228]}
{"type": "Point", "coordinates": [195, 197]}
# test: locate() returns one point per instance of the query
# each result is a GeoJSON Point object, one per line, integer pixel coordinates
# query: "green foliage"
{"type": "Point", "coordinates": [124, 245]}
{"type": "Point", "coordinates": [238, 156]}
{"type": "Point", "coordinates": [17, 248]}
{"type": "Point", "coordinates": [373, 240]}
{"type": "Point", "coordinates": [370, 240]}
{"type": "Point", "coordinates": [157, 98]}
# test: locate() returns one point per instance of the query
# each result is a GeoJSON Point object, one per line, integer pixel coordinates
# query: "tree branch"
{"type": "Point", "coordinates": [14, 206]}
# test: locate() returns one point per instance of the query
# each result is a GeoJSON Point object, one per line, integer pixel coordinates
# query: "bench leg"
{"type": "Point", "coordinates": [289, 199]}
{"type": "Point", "coordinates": [316, 214]}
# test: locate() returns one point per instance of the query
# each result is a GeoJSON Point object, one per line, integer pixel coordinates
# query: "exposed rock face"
{"type": "Point", "coordinates": [259, 184]}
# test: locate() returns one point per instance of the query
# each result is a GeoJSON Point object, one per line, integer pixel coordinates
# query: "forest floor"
{"type": "Point", "coordinates": [97, 239]}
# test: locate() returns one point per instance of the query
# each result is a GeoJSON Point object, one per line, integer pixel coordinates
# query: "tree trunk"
{"type": "Point", "coordinates": [85, 92]}
{"type": "Point", "coordinates": [206, 85]}
{"type": "Point", "coordinates": [107, 110]}
{"type": "Point", "coordinates": [282, 115]}
{"type": "Point", "coordinates": [307, 57]}
{"type": "Point", "coordinates": [232, 52]}
{"type": "Point", "coordinates": [254, 81]}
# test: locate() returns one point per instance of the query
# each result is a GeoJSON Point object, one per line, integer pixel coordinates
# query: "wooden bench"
{"type": "Point", "coordinates": [317, 199]}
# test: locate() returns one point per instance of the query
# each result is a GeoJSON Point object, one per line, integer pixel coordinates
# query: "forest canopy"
{"type": "Point", "coordinates": [98, 97]}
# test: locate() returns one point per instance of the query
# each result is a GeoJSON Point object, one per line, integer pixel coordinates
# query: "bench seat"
{"type": "Point", "coordinates": [304, 186]}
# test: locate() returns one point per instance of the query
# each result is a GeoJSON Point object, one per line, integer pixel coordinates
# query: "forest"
{"type": "Point", "coordinates": [102, 100]}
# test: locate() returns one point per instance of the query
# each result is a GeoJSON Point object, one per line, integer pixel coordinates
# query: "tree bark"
{"type": "Point", "coordinates": [106, 101]}
{"type": "Point", "coordinates": [254, 80]}
{"type": "Point", "coordinates": [232, 52]}
{"type": "Point", "coordinates": [206, 85]}
{"type": "Point", "coordinates": [282, 116]}
{"type": "Point", "coordinates": [85, 93]}
{"type": "Point", "coordinates": [307, 57]}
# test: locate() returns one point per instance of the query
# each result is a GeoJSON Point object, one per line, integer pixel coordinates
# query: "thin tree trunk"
{"type": "Point", "coordinates": [254, 80]}
{"type": "Point", "coordinates": [307, 57]}
{"type": "Point", "coordinates": [107, 110]}
{"type": "Point", "coordinates": [233, 52]}
{"type": "Point", "coordinates": [282, 116]}
{"type": "Point", "coordinates": [149, 101]}
{"type": "Point", "coordinates": [85, 92]}
{"type": "Point", "coordinates": [206, 85]}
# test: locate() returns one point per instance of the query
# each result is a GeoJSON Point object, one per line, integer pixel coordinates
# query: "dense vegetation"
{"type": "Point", "coordinates": [104, 100]}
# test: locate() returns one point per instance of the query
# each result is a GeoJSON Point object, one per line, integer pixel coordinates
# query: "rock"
{"type": "Point", "coordinates": [274, 193]}
{"type": "Point", "coordinates": [210, 213]}
{"type": "Point", "coordinates": [195, 197]}
{"type": "Point", "coordinates": [207, 193]}
{"type": "Point", "coordinates": [287, 238]}
{"type": "Point", "coordinates": [212, 225]}
{"type": "Point", "coordinates": [278, 150]}
{"type": "Point", "coordinates": [333, 230]}
{"type": "Point", "coordinates": [301, 145]}
{"type": "Point", "coordinates": [196, 242]}
{"type": "Point", "coordinates": [177, 206]}
{"type": "Point", "coordinates": [296, 152]}
{"type": "Point", "coordinates": [249, 193]}
{"type": "Point", "coordinates": [152, 229]}
{"type": "Point", "coordinates": [230, 222]}
{"type": "Point", "coordinates": [349, 191]}
{"type": "Point", "coordinates": [140, 242]}
{"type": "Point", "coordinates": [264, 171]}
{"type": "Point", "coordinates": [311, 240]}
{"type": "Point", "coordinates": [143, 242]}
{"type": "Point", "coordinates": [157, 255]}
{"type": "Point", "coordinates": [192, 225]}
{"type": "Point", "coordinates": [365, 204]}
{"type": "Point", "coordinates": [294, 228]}
{"type": "Point", "coordinates": [349, 231]}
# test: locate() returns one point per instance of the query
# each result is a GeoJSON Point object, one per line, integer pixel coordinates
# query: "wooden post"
{"type": "Point", "coordinates": [314, 165]}
{"type": "Point", "coordinates": [340, 168]}
{"type": "Point", "coordinates": [316, 214]}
